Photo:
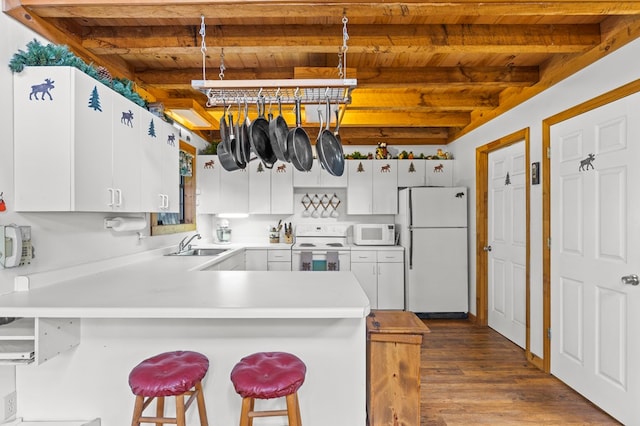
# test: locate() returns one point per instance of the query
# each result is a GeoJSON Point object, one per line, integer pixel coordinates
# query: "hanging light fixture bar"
{"type": "Point", "coordinates": [286, 91]}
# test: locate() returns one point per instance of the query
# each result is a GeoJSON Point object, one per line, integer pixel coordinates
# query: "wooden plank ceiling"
{"type": "Point", "coordinates": [427, 71]}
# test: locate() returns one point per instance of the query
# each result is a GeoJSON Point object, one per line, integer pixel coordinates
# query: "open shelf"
{"type": "Point", "coordinates": [36, 340]}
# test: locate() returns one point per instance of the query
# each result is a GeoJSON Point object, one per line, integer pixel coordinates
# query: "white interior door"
{"type": "Point", "coordinates": [595, 230]}
{"type": "Point", "coordinates": [507, 266]}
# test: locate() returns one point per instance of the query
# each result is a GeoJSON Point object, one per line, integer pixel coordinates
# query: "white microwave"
{"type": "Point", "coordinates": [374, 234]}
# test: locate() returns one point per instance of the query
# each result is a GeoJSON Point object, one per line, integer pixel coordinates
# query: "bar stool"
{"type": "Point", "coordinates": [176, 374]}
{"type": "Point", "coordinates": [266, 375]}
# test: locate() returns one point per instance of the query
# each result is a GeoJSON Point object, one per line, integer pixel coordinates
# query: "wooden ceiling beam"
{"type": "Point", "coordinates": [190, 9]}
{"type": "Point", "coordinates": [368, 78]}
{"type": "Point", "coordinates": [618, 31]}
{"type": "Point", "coordinates": [367, 39]}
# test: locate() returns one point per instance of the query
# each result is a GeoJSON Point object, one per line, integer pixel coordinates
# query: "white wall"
{"type": "Point", "coordinates": [617, 69]}
{"type": "Point", "coordinates": [59, 239]}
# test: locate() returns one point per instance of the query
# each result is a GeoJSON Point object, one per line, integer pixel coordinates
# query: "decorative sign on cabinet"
{"type": "Point", "coordinates": [77, 147]}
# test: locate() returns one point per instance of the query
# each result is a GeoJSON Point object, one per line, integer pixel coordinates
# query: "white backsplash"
{"type": "Point", "coordinates": [255, 228]}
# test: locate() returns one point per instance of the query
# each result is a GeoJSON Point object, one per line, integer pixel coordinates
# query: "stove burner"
{"type": "Point", "coordinates": [307, 245]}
{"type": "Point", "coordinates": [335, 244]}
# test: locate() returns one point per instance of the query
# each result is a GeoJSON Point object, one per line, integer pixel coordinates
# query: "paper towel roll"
{"type": "Point", "coordinates": [121, 224]}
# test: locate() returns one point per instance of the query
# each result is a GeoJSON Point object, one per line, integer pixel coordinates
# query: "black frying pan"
{"type": "Point", "coordinates": [259, 138]}
{"type": "Point", "coordinates": [278, 131]}
{"type": "Point", "coordinates": [329, 148]}
{"type": "Point", "coordinates": [298, 143]}
{"type": "Point", "coordinates": [225, 154]}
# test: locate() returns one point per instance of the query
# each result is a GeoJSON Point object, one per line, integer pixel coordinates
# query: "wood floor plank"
{"type": "Point", "coordinates": [473, 375]}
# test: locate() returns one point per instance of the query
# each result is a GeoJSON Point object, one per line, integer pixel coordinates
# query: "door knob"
{"type": "Point", "coordinates": [486, 248]}
{"type": "Point", "coordinates": [630, 279]}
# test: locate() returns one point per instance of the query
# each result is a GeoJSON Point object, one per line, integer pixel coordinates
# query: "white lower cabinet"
{"type": "Point", "coordinates": [256, 260]}
{"type": "Point", "coordinates": [235, 262]}
{"type": "Point", "coordinates": [268, 259]}
{"type": "Point", "coordinates": [279, 260]}
{"type": "Point", "coordinates": [381, 275]}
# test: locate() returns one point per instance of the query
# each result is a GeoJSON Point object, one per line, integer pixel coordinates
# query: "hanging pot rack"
{"type": "Point", "coordinates": [285, 91]}
{"type": "Point", "coordinates": [226, 92]}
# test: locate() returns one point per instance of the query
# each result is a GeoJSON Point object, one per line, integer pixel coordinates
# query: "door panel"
{"type": "Point", "coordinates": [595, 316]}
{"type": "Point", "coordinates": [507, 312]}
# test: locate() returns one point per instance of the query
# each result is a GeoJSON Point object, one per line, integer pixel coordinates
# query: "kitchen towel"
{"type": "Point", "coordinates": [305, 260]}
{"type": "Point", "coordinates": [333, 261]}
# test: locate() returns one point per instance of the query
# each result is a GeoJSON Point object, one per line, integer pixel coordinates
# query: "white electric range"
{"type": "Point", "coordinates": [321, 247]}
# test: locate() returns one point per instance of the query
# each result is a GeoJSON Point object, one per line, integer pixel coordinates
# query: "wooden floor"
{"type": "Point", "coordinates": [473, 375]}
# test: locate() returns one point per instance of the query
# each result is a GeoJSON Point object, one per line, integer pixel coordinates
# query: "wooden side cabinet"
{"type": "Point", "coordinates": [393, 367]}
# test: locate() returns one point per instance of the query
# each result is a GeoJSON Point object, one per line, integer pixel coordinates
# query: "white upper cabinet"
{"type": "Point", "coordinates": [127, 149]}
{"type": "Point", "coordinates": [373, 187]}
{"type": "Point", "coordinates": [317, 177]}
{"type": "Point", "coordinates": [259, 188]}
{"type": "Point", "coordinates": [159, 164]}
{"type": "Point", "coordinates": [234, 191]}
{"type": "Point", "coordinates": [218, 190]}
{"type": "Point", "coordinates": [411, 172]}
{"type": "Point", "coordinates": [72, 152]}
{"type": "Point", "coordinates": [207, 183]}
{"type": "Point", "coordinates": [439, 172]}
{"type": "Point", "coordinates": [281, 200]}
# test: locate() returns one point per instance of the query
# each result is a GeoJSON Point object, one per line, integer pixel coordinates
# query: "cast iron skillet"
{"type": "Point", "coordinates": [244, 136]}
{"type": "Point", "coordinates": [329, 148]}
{"type": "Point", "coordinates": [259, 138]}
{"type": "Point", "coordinates": [225, 154]}
{"type": "Point", "coordinates": [278, 131]}
{"type": "Point", "coordinates": [238, 146]}
{"type": "Point", "coordinates": [298, 143]}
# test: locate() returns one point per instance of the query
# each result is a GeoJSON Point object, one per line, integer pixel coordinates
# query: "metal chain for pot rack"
{"type": "Point", "coordinates": [226, 92]}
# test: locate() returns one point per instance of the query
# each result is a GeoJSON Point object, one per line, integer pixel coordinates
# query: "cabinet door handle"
{"type": "Point", "coordinates": [111, 197]}
{"type": "Point", "coordinates": [119, 194]}
{"type": "Point", "coordinates": [161, 200]}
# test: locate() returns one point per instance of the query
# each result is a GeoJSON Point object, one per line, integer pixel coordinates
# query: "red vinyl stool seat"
{"type": "Point", "coordinates": [176, 374]}
{"type": "Point", "coordinates": [266, 375]}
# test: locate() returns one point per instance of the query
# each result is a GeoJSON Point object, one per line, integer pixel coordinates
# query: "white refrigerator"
{"type": "Point", "coordinates": [432, 223]}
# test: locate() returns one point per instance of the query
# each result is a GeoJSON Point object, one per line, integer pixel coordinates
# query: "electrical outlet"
{"type": "Point", "coordinates": [10, 405]}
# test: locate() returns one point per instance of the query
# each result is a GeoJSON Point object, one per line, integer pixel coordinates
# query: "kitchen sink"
{"type": "Point", "coordinates": [200, 252]}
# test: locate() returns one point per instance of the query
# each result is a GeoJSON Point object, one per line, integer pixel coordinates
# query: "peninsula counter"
{"type": "Point", "coordinates": [137, 310]}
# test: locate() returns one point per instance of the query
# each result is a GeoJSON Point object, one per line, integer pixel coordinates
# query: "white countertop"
{"type": "Point", "coordinates": [173, 287]}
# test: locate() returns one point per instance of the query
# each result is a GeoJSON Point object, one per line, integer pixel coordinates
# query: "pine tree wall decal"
{"type": "Point", "coordinates": [94, 100]}
{"type": "Point", "coordinates": [360, 168]}
{"type": "Point", "coordinates": [152, 129]}
{"type": "Point", "coordinates": [412, 168]}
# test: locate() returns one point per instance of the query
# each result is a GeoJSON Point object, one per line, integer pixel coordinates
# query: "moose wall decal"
{"type": "Point", "coordinates": [584, 164]}
{"type": "Point", "coordinates": [127, 118]}
{"type": "Point", "coordinates": [43, 89]}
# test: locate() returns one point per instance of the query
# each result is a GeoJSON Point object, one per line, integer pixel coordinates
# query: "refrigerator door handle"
{"type": "Point", "coordinates": [410, 248]}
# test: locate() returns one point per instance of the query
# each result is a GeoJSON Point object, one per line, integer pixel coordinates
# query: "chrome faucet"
{"type": "Point", "coordinates": [183, 244]}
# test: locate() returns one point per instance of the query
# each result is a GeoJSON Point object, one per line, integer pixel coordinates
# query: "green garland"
{"type": "Point", "coordinates": [59, 55]}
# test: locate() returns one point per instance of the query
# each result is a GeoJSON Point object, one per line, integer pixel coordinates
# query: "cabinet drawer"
{"type": "Point", "coordinates": [279, 256]}
{"type": "Point", "coordinates": [390, 256]}
{"type": "Point", "coordinates": [363, 256]}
